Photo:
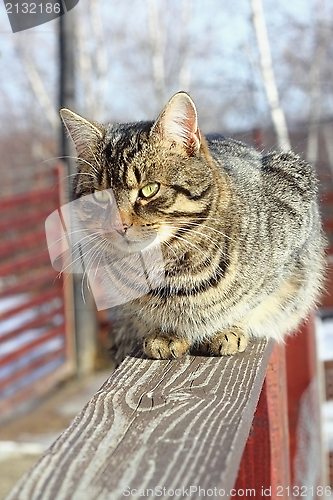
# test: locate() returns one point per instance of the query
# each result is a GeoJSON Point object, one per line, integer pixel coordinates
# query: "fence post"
{"type": "Point", "coordinates": [84, 310]}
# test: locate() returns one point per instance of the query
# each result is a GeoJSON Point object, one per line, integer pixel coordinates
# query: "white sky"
{"type": "Point", "coordinates": [218, 30]}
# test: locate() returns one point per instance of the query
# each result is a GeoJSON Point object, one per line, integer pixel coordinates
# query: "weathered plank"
{"type": "Point", "coordinates": [168, 424]}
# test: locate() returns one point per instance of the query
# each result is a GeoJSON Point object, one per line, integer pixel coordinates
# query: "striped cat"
{"type": "Point", "coordinates": [240, 231]}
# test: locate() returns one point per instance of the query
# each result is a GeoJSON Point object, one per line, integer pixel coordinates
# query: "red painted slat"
{"type": "Point", "coordinates": [301, 369]}
{"type": "Point", "coordinates": [265, 463]}
{"type": "Point", "coordinates": [328, 224]}
{"type": "Point", "coordinates": [23, 250]}
{"type": "Point", "coordinates": [46, 278]}
{"type": "Point", "coordinates": [37, 363]}
{"type": "Point", "coordinates": [26, 397]}
{"type": "Point", "coordinates": [12, 246]}
{"type": "Point", "coordinates": [24, 221]}
{"type": "Point", "coordinates": [25, 263]}
{"type": "Point", "coordinates": [276, 383]}
{"type": "Point", "coordinates": [30, 198]}
{"type": "Point", "coordinates": [326, 199]}
{"type": "Point", "coordinates": [35, 323]}
{"type": "Point", "coordinates": [28, 347]}
{"type": "Point", "coordinates": [40, 299]}
{"type": "Point", "coordinates": [326, 301]}
{"type": "Point", "coordinates": [254, 471]}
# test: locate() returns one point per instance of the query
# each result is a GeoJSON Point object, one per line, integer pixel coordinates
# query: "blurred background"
{"type": "Point", "coordinates": [261, 72]}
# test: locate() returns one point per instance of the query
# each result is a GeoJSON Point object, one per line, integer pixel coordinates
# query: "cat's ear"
{"type": "Point", "coordinates": [84, 133]}
{"type": "Point", "coordinates": [177, 125]}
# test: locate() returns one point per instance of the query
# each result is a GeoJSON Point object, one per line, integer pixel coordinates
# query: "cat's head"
{"type": "Point", "coordinates": [147, 178]}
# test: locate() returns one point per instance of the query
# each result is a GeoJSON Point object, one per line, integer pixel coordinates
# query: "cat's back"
{"type": "Point", "coordinates": [274, 174]}
{"type": "Point", "coordinates": [275, 195]}
{"type": "Point", "coordinates": [233, 155]}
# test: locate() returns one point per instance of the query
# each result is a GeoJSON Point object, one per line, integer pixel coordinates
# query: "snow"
{"type": "Point", "coordinates": [324, 333]}
{"type": "Point", "coordinates": [327, 419]}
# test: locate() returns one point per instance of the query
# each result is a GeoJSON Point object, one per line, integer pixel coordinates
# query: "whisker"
{"type": "Point", "coordinates": [84, 256]}
{"type": "Point", "coordinates": [67, 234]}
{"type": "Point", "coordinates": [81, 256]}
{"type": "Point", "coordinates": [86, 271]}
{"type": "Point", "coordinates": [106, 243]}
{"type": "Point", "coordinates": [72, 175]}
{"type": "Point", "coordinates": [77, 244]}
{"type": "Point", "coordinates": [74, 158]}
{"type": "Point", "coordinates": [197, 232]}
{"type": "Point", "coordinates": [170, 248]}
{"type": "Point", "coordinates": [79, 173]}
{"type": "Point", "coordinates": [201, 234]}
{"type": "Point", "coordinates": [77, 247]}
{"type": "Point", "coordinates": [204, 218]}
{"type": "Point", "coordinates": [202, 225]}
{"type": "Point", "coordinates": [190, 243]}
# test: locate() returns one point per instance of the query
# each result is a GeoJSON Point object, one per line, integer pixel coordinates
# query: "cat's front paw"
{"type": "Point", "coordinates": [164, 347]}
{"type": "Point", "coordinates": [227, 342]}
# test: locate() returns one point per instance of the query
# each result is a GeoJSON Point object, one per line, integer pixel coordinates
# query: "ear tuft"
{"type": "Point", "coordinates": [177, 125]}
{"type": "Point", "coordinates": [83, 132]}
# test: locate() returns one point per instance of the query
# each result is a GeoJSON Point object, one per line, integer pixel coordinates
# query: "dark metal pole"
{"type": "Point", "coordinates": [85, 319]}
{"type": "Point", "coordinates": [67, 80]}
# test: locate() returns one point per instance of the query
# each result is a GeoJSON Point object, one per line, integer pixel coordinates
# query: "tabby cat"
{"type": "Point", "coordinates": [240, 232]}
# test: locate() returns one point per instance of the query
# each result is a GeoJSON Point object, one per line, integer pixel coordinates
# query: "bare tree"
{"type": "Point", "coordinates": [157, 47]}
{"type": "Point", "coordinates": [37, 83]}
{"type": "Point", "coordinates": [85, 74]}
{"type": "Point", "coordinates": [277, 114]}
{"type": "Point", "coordinates": [101, 57]}
{"type": "Point", "coordinates": [308, 58]}
{"type": "Point", "coordinates": [185, 47]}
{"type": "Point", "coordinates": [322, 36]}
{"type": "Point", "coordinates": [91, 59]}
{"type": "Point", "coordinates": [328, 137]}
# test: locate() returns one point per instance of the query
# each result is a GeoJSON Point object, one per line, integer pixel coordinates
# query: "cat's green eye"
{"type": "Point", "coordinates": [150, 190]}
{"type": "Point", "coordinates": [101, 196]}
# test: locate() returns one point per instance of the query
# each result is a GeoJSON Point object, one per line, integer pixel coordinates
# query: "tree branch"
{"type": "Point", "coordinates": [277, 114]}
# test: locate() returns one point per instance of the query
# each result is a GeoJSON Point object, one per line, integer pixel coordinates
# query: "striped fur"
{"type": "Point", "coordinates": [241, 235]}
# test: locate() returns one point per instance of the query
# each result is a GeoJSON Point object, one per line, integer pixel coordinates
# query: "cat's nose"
{"type": "Point", "coordinates": [123, 222]}
{"type": "Point", "coordinates": [122, 228]}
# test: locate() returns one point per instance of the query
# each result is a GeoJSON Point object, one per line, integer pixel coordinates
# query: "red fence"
{"type": "Point", "coordinates": [283, 457]}
{"type": "Point", "coordinates": [35, 342]}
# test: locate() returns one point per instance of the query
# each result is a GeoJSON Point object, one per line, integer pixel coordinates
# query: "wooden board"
{"type": "Point", "coordinates": [169, 424]}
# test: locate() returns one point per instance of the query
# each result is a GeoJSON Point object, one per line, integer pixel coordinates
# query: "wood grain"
{"type": "Point", "coordinates": [172, 424]}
